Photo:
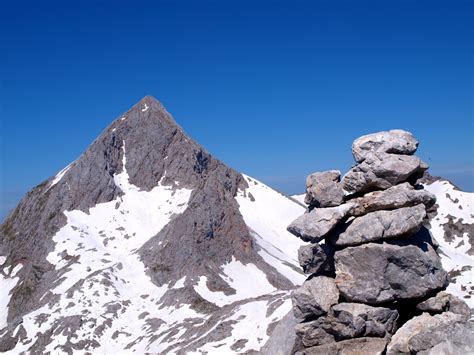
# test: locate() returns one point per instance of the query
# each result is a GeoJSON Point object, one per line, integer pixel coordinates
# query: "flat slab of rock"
{"type": "Point", "coordinates": [445, 302]}
{"type": "Point", "coordinates": [347, 321]}
{"type": "Point", "coordinates": [357, 346]}
{"type": "Point", "coordinates": [316, 259]}
{"type": "Point", "coordinates": [398, 196]}
{"type": "Point", "coordinates": [377, 273]}
{"type": "Point", "coordinates": [324, 190]}
{"type": "Point", "coordinates": [424, 333]}
{"type": "Point", "coordinates": [315, 225]}
{"type": "Point", "coordinates": [315, 297]}
{"type": "Point", "coordinates": [380, 171]}
{"type": "Point", "coordinates": [396, 141]}
{"type": "Point", "coordinates": [381, 225]}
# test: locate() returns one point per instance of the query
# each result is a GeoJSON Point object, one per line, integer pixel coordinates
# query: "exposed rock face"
{"type": "Point", "coordinates": [380, 171]}
{"type": "Point", "coordinates": [315, 225]}
{"type": "Point", "coordinates": [444, 302]}
{"type": "Point", "coordinates": [347, 321]}
{"type": "Point", "coordinates": [315, 297]}
{"type": "Point", "coordinates": [323, 189]}
{"type": "Point", "coordinates": [381, 225]}
{"type": "Point", "coordinates": [316, 259]}
{"type": "Point", "coordinates": [377, 273]}
{"type": "Point", "coordinates": [356, 346]}
{"type": "Point", "coordinates": [395, 141]}
{"type": "Point", "coordinates": [424, 333]}
{"type": "Point", "coordinates": [398, 196]}
{"type": "Point", "coordinates": [383, 256]}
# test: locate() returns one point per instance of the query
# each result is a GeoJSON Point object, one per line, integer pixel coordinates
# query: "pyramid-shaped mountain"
{"type": "Point", "coordinates": [146, 243]}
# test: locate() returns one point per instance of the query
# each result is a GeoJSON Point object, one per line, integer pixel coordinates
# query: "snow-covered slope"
{"type": "Point", "coordinates": [453, 228]}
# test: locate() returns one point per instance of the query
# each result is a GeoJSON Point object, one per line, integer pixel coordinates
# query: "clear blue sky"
{"type": "Point", "coordinates": [275, 89]}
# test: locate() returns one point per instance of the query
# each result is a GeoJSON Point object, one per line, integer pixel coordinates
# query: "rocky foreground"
{"type": "Point", "coordinates": [376, 283]}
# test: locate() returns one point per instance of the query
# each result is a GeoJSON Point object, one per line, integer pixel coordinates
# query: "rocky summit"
{"type": "Point", "coordinates": [146, 243]}
{"type": "Point", "coordinates": [376, 284]}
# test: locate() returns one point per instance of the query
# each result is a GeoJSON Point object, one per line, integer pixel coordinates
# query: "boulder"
{"type": "Point", "coordinates": [315, 297]}
{"type": "Point", "coordinates": [398, 196]}
{"type": "Point", "coordinates": [357, 346]}
{"type": "Point", "coordinates": [426, 334]}
{"type": "Point", "coordinates": [395, 141]}
{"type": "Point", "coordinates": [324, 190]}
{"type": "Point", "coordinates": [380, 171]}
{"type": "Point", "coordinates": [347, 321]}
{"type": "Point", "coordinates": [445, 302]}
{"type": "Point", "coordinates": [377, 273]}
{"type": "Point", "coordinates": [282, 340]}
{"type": "Point", "coordinates": [315, 225]}
{"type": "Point", "coordinates": [316, 259]}
{"type": "Point", "coordinates": [381, 225]}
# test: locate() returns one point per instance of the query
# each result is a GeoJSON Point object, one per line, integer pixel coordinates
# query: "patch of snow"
{"type": "Point", "coordinates": [59, 176]}
{"type": "Point", "coordinates": [145, 107]}
{"type": "Point", "coordinates": [2, 259]}
{"type": "Point", "coordinates": [454, 255]}
{"type": "Point", "coordinates": [180, 283]}
{"type": "Point", "coordinates": [247, 280]}
{"type": "Point", "coordinates": [113, 130]}
{"type": "Point", "coordinates": [268, 213]}
{"type": "Point", "coordinates": [123, 118]}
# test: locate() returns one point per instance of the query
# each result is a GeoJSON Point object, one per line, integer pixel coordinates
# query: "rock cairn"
{"type": "Point", "coordinates": [376, 283]}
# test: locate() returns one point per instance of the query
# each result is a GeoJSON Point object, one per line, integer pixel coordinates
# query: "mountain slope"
{"type": "Point", "coordinates": [146, 243]}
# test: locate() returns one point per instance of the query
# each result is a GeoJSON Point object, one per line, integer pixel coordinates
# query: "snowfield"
{"type": "Point", "coordinates": [457, 249]}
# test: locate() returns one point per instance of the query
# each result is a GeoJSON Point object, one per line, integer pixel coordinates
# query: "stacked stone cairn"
{"type": "Point", "coordinates": [376, 283]}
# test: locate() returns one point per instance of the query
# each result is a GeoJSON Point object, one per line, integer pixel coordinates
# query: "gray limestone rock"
{"type": "Point", "coordinates": [445, 302]}
{"type": "Point", "coordinates": [380, 171]}
{"type": "Point", "coordinates": [315, 297]}
{"type": "Point", "coordinates": [398, 196]}
{"type": "Point", "coordinates": [402, 222]}
{"type": "Point", "coordinates": [395, 141]}
{"type": "Point", "coordinates": [357, 346]}
{"type": "Point", "coordinates": [377, 273]}
{"type": "Point", "coordinates": [428, 334]}
{"type": "Point", "coordinates": [347, 321]}
{"type": "Point", "coordinates": [282, 340]}
{"type": "Point", "coordinates": [316, 259]}
{"type": "Point", "coordinates": [315, 225]}
{"type": "Point", "coordinates": [324, 190]}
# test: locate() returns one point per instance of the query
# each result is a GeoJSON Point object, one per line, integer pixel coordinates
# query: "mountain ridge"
{"type": "Point", "coordinates": [147, 222]}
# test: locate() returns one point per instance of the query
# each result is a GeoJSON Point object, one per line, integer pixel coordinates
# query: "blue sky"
{"type": "Point", "coordinates": [275, 89]}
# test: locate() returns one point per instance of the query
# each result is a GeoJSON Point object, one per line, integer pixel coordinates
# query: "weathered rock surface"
{"type": "Point", "coordinates": [316, 259]}
{"type": "Point", "coordinates": [283, 340]}
{"type": "Point", "coordinates": [323, 189]}
{"type": "Point", "coordinates": [381, 171]}
{"type": "Point", "coordinates": [444, 302]}
{"type": "Point", "coordinates": [315, 297]}
{"type": "Point", "coordinates": [357, 346]}
{"type": "Point", "coordinates": [381, 225]}
{"type": "Point", "coordinates": [424, 333]}
{"type": "Point", "coordinates": [377, 273]}
{"type": "Point", "coordinates": [315, 225]}
{"type": "Point", "coordinates": [395, 141]}
{"type": "Point", "coordinates": [347, 321]}
{"type": "Point", "coordinates": [398, 196]}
